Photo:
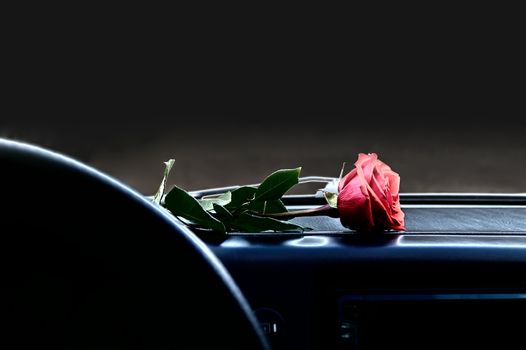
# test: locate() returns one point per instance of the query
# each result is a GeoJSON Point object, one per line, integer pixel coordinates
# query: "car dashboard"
{"type": "Point", "coordinates": [455, 279]}
{"type": "Point", "coordinates": [128, 273]}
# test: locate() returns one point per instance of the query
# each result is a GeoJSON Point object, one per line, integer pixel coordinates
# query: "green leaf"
{"type": "Point", "coordinates": [223, 215]}
{"type": "Point", "coordinates": [182, 204]}
{"type": "Point", "coordinates": [241, 196]}
{"type": "Point", "coordinates": [160, 192]}
{"type": "Point", "coordinates": [331, 198]}
{"type": "Point", "coordinates": [223, 212]}
{"type": "Point", "coordinates": [208, 203]}
{"type": "Point", "coordinates": [276, 184]}
{"type": "Point", "coordinates": [251, 223]}
{"type": "Point", "coordinates": [268, 207]}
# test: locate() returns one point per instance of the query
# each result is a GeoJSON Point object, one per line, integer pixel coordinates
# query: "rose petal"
{"type": "Point", "coordinates": [355, 209]}
{"type": "Point", "coordinates": [382, 167]}
{"type": "Point", "coordinates": [346, 179]}
{"type": "Point", "coordinates": [398, 220]}
{"type": "Point", "coordinates": [366, 162]}
{"type": "Point", "coordinates": [368, 196]}
{"type": "Point", "coordinates": [381, 217]}
{"type": "Point", "coordinates": [378, 185]}
{"type": "Point", "coordinates": [364, 168]}
{"type": "Point", "coordinates": [394, 182]}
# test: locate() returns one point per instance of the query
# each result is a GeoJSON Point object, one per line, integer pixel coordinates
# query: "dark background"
{"type": "Point", "coordinates": [437, 152]}
{"type": "Point", "coordinates": [124, 89]}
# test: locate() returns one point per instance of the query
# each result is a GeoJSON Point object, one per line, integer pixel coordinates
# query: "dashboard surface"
{"type": "Point", "coordinates": [300, 284]}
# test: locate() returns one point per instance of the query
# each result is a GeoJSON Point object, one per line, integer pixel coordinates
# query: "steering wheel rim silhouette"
{"type": "Point", "coordinates": [87, 262]}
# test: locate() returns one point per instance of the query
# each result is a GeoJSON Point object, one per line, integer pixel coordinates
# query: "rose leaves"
{"type": "Point", "coordinates": [367, 200]}
{"type": "Point", "coordinates": [242, 209]}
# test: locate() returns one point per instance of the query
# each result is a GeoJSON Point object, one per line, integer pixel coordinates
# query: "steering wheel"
{"type": "Point", "coordinates": [86, 262]}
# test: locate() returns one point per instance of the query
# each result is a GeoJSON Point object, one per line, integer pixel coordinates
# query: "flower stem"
{"type": "Point", "coordinates": [326, 210]}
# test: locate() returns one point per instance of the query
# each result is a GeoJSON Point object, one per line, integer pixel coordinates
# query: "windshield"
{"type": "Point", "coordinates": [432, 152]}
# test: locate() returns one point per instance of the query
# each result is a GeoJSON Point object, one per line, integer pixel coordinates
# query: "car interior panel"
{"type": "Point", "coordinates": [115, 270]}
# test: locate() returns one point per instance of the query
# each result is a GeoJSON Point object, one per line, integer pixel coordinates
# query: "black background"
{"type": "Point", "coordinates": [232, 101]}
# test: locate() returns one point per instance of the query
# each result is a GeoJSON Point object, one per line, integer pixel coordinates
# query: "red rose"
{"type": "Point", "coordinates": [368, 197]}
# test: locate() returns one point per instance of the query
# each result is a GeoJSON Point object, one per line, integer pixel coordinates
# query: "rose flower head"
{"type": "Point", "coordinates": [368, 198]}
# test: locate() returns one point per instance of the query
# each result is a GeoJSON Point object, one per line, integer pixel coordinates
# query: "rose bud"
{"type": "Point", "coordinates": [368, 197]}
